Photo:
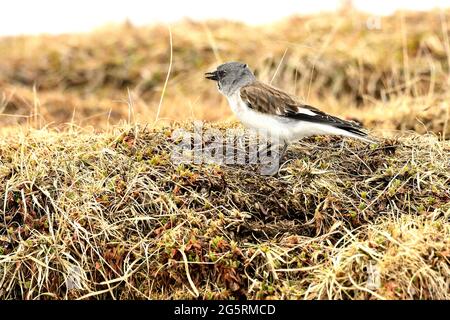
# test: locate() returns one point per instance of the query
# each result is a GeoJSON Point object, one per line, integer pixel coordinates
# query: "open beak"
{"type": "Point", "coordinates": [212, 76]}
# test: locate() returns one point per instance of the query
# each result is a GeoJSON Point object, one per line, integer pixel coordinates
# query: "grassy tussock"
{"type": "Point", "coordinates": [109, 216]}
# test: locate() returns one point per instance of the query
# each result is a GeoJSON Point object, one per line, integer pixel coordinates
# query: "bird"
{"type": "Point", "coordinates": [262, 106]}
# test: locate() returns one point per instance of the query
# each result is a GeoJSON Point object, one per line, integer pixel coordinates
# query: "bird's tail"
{"type": "Point", "coordinates": [354, 132]}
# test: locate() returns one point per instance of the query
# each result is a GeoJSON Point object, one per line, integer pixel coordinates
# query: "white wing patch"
{"type": "Point", "coordinates": [306, 111]}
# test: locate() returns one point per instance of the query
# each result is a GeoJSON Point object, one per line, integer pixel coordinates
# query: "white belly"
{"type": "Point", "coordinates": [285, 130]}
{"type": "Point", "coordinates": [256, 120]}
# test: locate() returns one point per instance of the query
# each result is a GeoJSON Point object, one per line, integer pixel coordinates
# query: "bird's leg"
{"type": "Point", "coordinates": [270, 165]}
{"type": "Point", "coordinates": [256, 152]}
{"type": "Point", "coordinates": [283, 150]}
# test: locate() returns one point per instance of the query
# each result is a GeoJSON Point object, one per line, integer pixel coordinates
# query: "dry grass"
{"type": "Point", "coordinates": [104, 213]}
{"type": "Point", "coordinates": [110, 216]}
{"type": "Point", "coordinates": [333, 61]}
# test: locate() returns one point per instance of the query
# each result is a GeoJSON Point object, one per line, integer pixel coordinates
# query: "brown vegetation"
{"type": "Point", "coordinates": [105, 213]}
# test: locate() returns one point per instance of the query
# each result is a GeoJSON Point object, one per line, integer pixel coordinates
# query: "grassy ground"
{"type": "Point", "coordinates": [111, 216]}
{"type": "Point", "coordinates": [93, 206]}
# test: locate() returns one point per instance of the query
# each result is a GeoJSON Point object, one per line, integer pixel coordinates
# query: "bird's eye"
{"type": "Point", "coordinates": [222, 73]}
{"type": "Point", "coordinates": [244, 66]}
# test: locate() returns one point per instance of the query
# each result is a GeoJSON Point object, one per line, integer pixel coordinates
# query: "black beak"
{"type": "Point", "coordinates": [212, 76]}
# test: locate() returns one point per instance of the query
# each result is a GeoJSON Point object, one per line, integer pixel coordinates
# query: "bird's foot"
{"type": "Point", "coordinates": [271, 164]}
{"type": "Point", "coordinates": [270, 169]}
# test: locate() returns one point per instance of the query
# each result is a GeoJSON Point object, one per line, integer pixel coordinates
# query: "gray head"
{"type": "Point", "coordinates": [231, 76]}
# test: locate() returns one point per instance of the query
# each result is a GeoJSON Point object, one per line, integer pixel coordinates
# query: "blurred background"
{"type": "Point", "coordinates": [96, 63]}
{"type": "Point", "coordinates": [48, 16]}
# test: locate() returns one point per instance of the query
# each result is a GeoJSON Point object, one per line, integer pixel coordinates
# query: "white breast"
{"type": "Point", "coordinates": [257, 120]}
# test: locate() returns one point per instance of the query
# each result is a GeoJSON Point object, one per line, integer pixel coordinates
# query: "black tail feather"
{"type": "Point", "coordinates": [324, 118]}
{"type": "Point", "coordinates": [352, 129]}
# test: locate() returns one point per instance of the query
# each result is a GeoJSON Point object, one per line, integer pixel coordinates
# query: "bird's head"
{"type": "Point", "coordinates": [231, 76]}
